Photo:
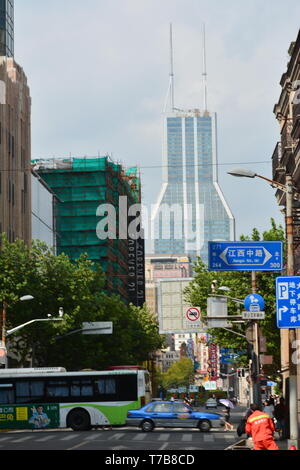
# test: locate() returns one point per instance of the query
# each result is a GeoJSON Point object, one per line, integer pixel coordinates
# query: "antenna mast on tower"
{"type": "Point", "coordinates": [204, 73]}
{"type": "Point", "coordinates": [169, 102]}
{"type": "Point", "coordinates": [171, 69]}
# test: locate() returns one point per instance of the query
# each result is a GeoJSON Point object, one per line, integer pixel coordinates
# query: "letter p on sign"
{"type": "Point", "coordinates": [283, 290]}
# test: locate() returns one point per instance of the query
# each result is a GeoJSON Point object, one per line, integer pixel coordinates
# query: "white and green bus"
{"type": "Point", "coordinates": [40, 398]}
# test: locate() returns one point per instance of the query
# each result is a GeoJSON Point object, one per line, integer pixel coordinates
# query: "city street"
{"type": "Point", "coordinates": [122, 438]}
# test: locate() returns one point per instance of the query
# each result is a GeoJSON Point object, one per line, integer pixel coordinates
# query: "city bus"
{"type": "Point", "coordinates": [39, 398]}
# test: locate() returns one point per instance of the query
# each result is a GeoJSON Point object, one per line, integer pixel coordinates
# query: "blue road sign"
{"type": "Point", "coordinates": [229, 356]}
{"type": "Point", "coordinates": [245, 256]}
{"type": "Point", "coordinates": [288, 302]}
{"type": "Point", "coordinates": [254, 303]}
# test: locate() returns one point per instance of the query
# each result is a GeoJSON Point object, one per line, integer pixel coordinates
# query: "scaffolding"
{"type": "Point", "coordinates": [81, 185]}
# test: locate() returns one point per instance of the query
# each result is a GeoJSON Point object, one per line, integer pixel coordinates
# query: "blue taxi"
{"type": "Point", "coordinates": [172, 414]}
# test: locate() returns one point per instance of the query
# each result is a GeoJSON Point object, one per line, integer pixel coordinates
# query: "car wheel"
{"type": "Point", "coordinates": [147, 425]}
{"type": "Point", "coordinates": [204, 425]}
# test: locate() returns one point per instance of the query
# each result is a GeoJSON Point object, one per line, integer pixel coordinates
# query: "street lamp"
{"type": "Point", "coordinates": [4, 310]}
{"type": "Point", "coordinates": [287, 336]}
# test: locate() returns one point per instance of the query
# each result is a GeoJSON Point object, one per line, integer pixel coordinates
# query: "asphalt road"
{"type": "Point", "coordinates": [118, 439]}
{"type": "Point", "coordinates": [122, 438]}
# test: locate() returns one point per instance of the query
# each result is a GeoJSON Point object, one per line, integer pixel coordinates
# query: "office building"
{"type": "Point", "coordinates": [15, 148]}
{"type": "Point", "coordinates": [191, 209]}
{"type": "Point", "coordinates": [7, 28]}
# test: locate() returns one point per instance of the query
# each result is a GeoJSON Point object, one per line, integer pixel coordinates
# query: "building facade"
{"type": "Point", "coordinates": [87, 189]}
{"type": "Point", "coordinates": [15, 151]}
{"type": "Point", "coordinates": [191, 209]}
{"type": "Point", "coordinates": [43, 211]}
{"type": "Point", "coordinates": [286, 161]}
{"type": "Point", "coordinates": [7, 28]}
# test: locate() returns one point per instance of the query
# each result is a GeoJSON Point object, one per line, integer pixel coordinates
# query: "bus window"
{"type": "Point", "coordinates": [29, 391]}
{"type": "Point", "coordinates": [106, 386]}
{"type": "Point", "coordinates": [82, 388]}
{"type": "Point", "coordinates": [57, 388]}
{"type": "Point", "coordinates": [6, 394]}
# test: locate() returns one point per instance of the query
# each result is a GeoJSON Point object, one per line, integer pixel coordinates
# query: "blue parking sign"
{"type": "Point", "coordinates": [288, 302]}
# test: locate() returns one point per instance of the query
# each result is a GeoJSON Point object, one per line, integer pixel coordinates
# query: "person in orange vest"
{"type": "Point", "coordinates": [261, 427]}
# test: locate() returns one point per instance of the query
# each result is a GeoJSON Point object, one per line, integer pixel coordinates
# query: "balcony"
{"type": "Point", "coordinates": [287, 160]}
{"type": "Point", "coordinates": [276, 161]}
{"type": "Point", "coordinates": [295, 133]}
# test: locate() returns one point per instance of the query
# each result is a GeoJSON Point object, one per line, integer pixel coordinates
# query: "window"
{"type": "Point", "coordinates": [57, 388]}
{"type": "Point", "coordinates": [81, 388]}
{"type": "Point", "coordinates": [163, 408]}
{"type": "Point", "coordinates": [181, 408]}
{"type": "Point", "coordinates": [29, 391]}
{"type": "Point", "coordinates": [6, 394]}
{"type": "Point", "coordinates": [106, 386]}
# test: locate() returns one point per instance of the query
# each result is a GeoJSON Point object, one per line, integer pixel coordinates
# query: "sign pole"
{"type": "Point", "coordinates": [255, 355]}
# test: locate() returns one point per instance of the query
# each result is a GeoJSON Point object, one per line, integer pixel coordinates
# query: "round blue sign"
{"type": "Point", "coordinates": [254, 303]}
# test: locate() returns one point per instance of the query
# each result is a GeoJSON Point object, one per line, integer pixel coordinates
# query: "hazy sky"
{"type": "Point", "coordinates": [98, 74]}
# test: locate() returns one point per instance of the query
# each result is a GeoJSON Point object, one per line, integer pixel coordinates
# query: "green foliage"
{"type": "Point", "coordinates": [54, 282]}
{"type": "Point", "coordinates": [239, 283]}
{"type": "Point", "coordinates": [178, 374]}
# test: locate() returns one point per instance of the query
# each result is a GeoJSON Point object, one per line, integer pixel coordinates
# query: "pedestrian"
{"type": "Point", "coordinates": [186, 401]}
{"type": "Point", "coordinates": [261, 427]}
{"type": "Point", "coordinates": [268, 408]}
{"type": "Point", "coordinates": [227, 425]}
{"type": "Point", "coordinates": [281, 414]}
{"type": "Point", "coordinates": [272, 400]}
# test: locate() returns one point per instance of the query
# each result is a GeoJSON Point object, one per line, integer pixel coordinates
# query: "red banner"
{"type": "Point", "coordinates": [213, 361]}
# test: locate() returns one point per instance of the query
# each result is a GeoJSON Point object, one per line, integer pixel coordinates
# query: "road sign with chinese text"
{"type": "Point", "coordinates": [253, 315]}
{"type": "Point", "coordinates": [245, 256]}
{"type": "Point", "coordinates": [288, 302]}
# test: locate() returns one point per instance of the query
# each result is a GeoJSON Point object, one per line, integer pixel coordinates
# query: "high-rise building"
{"type": "Point", "coordinates": [7, 28]}
{"type": "Point", "coordinates": [191, 209]}
{"type": "Point", "coordinates": [15, 151]}
{"type": "Point", "coordinates": [83, 186]}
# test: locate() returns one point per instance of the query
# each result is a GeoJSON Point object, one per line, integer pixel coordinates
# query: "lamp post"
{"type": "Point", "coordinates": [3, 350]}
{"type": "Point", "coordinates": [4, 310]}
{"type": "Point", "coordinates": [287, 336]}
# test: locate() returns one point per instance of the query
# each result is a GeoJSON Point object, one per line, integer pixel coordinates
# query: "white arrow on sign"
{"type": "Point", "coordinates": [268, 255]}
{"type": "Point", "coordinates": [282, 309]}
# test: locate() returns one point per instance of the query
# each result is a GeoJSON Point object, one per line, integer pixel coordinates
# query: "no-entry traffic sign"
{"type": "Point", "coordinates": [193, 313]}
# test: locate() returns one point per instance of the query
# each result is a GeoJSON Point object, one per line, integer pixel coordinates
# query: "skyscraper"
{"type": "Point", "coordinates": [7, 28]}
{"type": "Point", "coordinates": [191, 209]}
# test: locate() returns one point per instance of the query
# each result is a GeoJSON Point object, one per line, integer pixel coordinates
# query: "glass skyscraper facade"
{"type": "Point", "coordinates": [191, 209]}
{"type": "Point", "coordinates": [7, 28]}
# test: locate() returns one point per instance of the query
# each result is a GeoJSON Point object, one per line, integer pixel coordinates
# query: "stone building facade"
{"type": "Point", "coordinates": [15, 151]}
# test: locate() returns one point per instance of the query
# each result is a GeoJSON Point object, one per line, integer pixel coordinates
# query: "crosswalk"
{"type": "Point", "coordinates": [119, 438]}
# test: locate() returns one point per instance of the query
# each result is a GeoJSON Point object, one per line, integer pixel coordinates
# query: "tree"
{"type": "Point", "coordinates": [178, 374]}
{"type": "Point", "coordinates": [54, 282]}
{"type": "Point", "coordinates": [239, 283]}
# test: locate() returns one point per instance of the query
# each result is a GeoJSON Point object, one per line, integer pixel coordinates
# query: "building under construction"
{"type": "Point", "coordinates": [81, 186]}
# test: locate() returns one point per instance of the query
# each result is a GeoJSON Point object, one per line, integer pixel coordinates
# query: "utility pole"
{"type": "Point", "coordinates": [291, 333]}
{"type": "Point", "coordinates": [255, 354]}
